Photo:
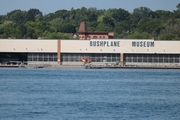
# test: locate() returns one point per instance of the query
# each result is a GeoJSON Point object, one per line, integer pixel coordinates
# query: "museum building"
{"type": "Point", "coordinates": [122, 52]}
{"type": "Point", "coordinates": [84, 34]}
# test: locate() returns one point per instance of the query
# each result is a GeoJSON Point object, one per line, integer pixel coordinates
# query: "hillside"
{"type": "Point", "coordinates": [142, 23]}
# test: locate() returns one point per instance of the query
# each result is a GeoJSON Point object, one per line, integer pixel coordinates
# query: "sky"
{"type": "Point", "coordinates": [50, 6]}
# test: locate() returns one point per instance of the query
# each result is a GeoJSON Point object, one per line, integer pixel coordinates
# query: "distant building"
{"type": "Point", "coordinates": [122, 52]}
{"type": "Point", "coordinates": [84, 34]}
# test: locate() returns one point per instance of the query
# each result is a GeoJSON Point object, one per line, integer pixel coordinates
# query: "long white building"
{"type": "Point", "coordinates": [125, 52]}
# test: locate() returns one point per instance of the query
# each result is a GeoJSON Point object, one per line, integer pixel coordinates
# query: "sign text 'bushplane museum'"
{"type": "Point", "coordinates": [102, 43]}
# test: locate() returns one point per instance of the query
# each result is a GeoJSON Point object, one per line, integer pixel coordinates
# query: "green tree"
{"type": "Point", "coordinates": [142, 23]}
{"type": "Point", "coordinates": [33, 29]}
{"type": "Point", "coordinates": [32, 13]}
{"type": "Point", "coordinates": [148, 25]}
{"type": "Point", "coordinates": [138, 35]}
{"type": "Point", "coordinates": [173, 26]}
{"type": "Point", "coordinates": [18, 16]}
{"type": "Point", "coordinates": [177, 12]}
{"type": "Point", "coordinates": [142, 12]}
{"type": "Point", "coordinates": [168, 36]}
{"type": "Point", "coordinates": [120, 14]}
{"type": "Point", "coordinates": [92, 14]}
{"type": "Point", "coordinates": [108, 21]}
{"type": "Point", "coordinates": [48, 17]}
{"type": "Point", "coordinates": [61, 14]}
{"type": "Point", "coordinates": [23, 31]}
{"type": "Point", "coordinates": [103, 27]}
{"type": "Point", "coordinates": [92, 25]}
{"type": "Point", "coordinates": [122, 27]}
{"type": "Point", "coordinates": [66, 28]}
{"type": "Point", "coordinates": [3, 18]}
{"type": "Point", "coordinates": [56, 36]}
{"type": "Point", "coordinates": [11, 31]}
{"type": "Point", "coordinates": [178, 6]}
{"type": "Point", "coordinates": [163, 14]}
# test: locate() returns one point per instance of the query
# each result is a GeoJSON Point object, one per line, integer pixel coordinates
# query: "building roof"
{"type": "Point", "coordinates": [94, 32]}
{"type": "Point", "coordinates": [83, 27]}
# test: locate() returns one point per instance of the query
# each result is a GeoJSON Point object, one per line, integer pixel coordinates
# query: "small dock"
{"type": "Point", "coordinates": [12, 66]}
{"type": "Point", "coordinates": [90, 67]}
{"type": "Point", "coordinates": [132, 67]}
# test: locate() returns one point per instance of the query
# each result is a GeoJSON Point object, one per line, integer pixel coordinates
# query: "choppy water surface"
{"type": "Point", "coordinates": [87, 94]}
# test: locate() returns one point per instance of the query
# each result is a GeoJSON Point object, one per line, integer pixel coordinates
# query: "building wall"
{"type": "Point", "coordinates": [24, 45]}
{"type": "Point", "coordinates": [75, 58]}
{"type": "Point", "coordinates": [93, 36]}
{"type": "Point", "coordinates": [114, 46]}
{"type": "Point", "coordinates": [83, 46]}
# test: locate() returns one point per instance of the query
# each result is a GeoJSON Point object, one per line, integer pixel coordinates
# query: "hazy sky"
{"type": "Point", "coordinates": [50, 6]}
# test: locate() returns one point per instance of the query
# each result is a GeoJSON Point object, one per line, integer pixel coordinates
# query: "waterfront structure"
{"type": "Point", "coordinates": [122, 52]}
{"type": "Point", "coordinates": [84, 34]}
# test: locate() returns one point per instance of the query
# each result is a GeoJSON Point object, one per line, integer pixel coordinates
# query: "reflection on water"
{"type": "Point", "coordinates": [89, 94]}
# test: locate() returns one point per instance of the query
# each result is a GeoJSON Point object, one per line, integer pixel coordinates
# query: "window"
{"type": "Point", "coordinates": [135, 59]}
{"type": "Point", "coordinates": [145, 59]}
{"type": "Point", "coordinates": [35, 59]}
{"type": "Point", "coordinates": [156, 60]}
{"type": "Point", "coordinates": [160, 60]}
{"type": "Point", "coordinates": [150, 60]}
{"type": "Point", "coordinates": [171, 60]}
{"type": "Point", "coordinates": [176, 56]}
{"type": "Point", "coordinates": [94, 37]}
{"type": "Point", "coordinates": [176, 60]}
{"type": "Point", "coordinates": [29, 59]}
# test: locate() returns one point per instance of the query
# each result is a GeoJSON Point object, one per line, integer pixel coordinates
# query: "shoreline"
{"type": "Point", "coordinates": [90, 67]}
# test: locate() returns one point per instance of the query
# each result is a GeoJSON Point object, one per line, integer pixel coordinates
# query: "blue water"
{"type": "Point", "coordinates": [89, 94]}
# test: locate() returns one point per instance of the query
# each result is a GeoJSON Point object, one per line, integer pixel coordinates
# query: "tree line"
{"type": "Point", "coordinates": [142, 23]}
